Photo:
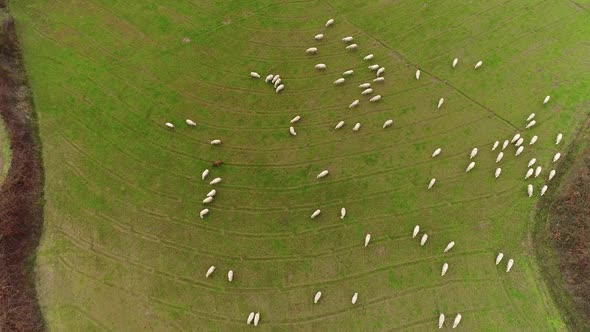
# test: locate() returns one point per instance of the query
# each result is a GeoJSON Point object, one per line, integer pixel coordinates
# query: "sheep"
{"type": "Point", "coordinates": [319, 37]}
{"type": "Point", "coordinates": [368, 57]}
{"type": "Point", "coordinates": [367, 91]}
{"type": "Point", "coordinates": [418, 74]}
{"type": "Point", "coordinates": [499, 258]}
{"type": "Point", "coordinates": [441, 317]}
{"type": "Point", "coordinates": [215, 181]}
{"type": "Point", "coordinates": [530, 124]}
{"type": "Point", "coordinates": [348, 72]}
{"type": "Point", "coordinates": [339, 125]}
{"type": "Point", "coordinates": [315, 213]}
{"type": "Point", "coordinates": [432, 182]}
{"type": "Point", "coordinates": [529, 173]}
{"type": "Point", "coordinates": [531, 116]}
{"type": "Point", "coordinates": [544, 190]}
{"type": "Point", "coordinates": [256, 319]}
{"type": "Point", "coordinates": [499, 157]}
{"type": "Point", "coordinates": [534, 140]}
{"type": "Point", "coordinates": [208, 200]}
{"type": "Point", "coordinates": [436, 152]}
{"type": "Point", "coordinates": [320, 66]}
{"type": "Point", "coordinates": [416, 230]}
{"type": "Point", "coordinates": [277, 83]}
{"type": "Point", "coordinates": [216, 142]}
{"type": "Point", "coordinates": [317, 297]}
{"type": "Point", "coordinates": [556, 157]}
{"type": "Point", "coordinates": [212, 193]}
{"type": "Point", "coordinates": [347, 39]}
{"type": "Point", "coordinates": [546, 100]}
{"type": "Point", "coordinates": [519, 150]}
{"type": "Point", "coordinates": [339, 81]}
{"type": "Point", "coordinates": [190, 122]}
{"type": "Point", "coordinates": [444, 270]}
{"type": "Point", "coordinates": [295, 119]}
{"type": "Point", "coordinates": [532, 162]}
{"type": "Point", "coordinates": [505, 144]}
{"type": "Point", "coordinates": [478, 64]}
{"type": "Point", "coordinates": [365, 85]}
{"type": "Point", "coordinates": [250, 318]}
{"type": "Point", "coordinates": [342, 213]}
{"type": "Point", "coordinates": [538, 171]}
{"type": "Point", "coordinates": [322, 174]}
{"type": "Point", "coordinates": [354, 104]}
{"type": "Point", "coordinates": [355, 297]}
{"type": "Point", "coordinates": [457, 318]}
{"type": "Point", "coordinates": [254, 74]}
{"type": "Point", "coordinates": [230, 275]}
{"type": "Point", "coordinates": [519, 142]}
{"type": "Point", "coordinates": [470, 166]}
{"type": "Point", "coordinates": [275, 78]}
{"type": "Point", "coordinates": [268, 78]}
{"type": "Point", "coordinates": [498, 172]}
{"type": "Point", "coordinates": [509, 266]}
{"type": "Point", "coordinates": [280, 88]}
{"type": "Point", "coordinates": [379, 79]}
{"type": "Point", "coordinates": [375, 98]}
{"type": "Point", "coordinates": [292, 131]}
{"type": "Point", "coordinates": [440, 102]}
{"type": "Point", "coordinates": [351, 47]}
{"type": "Point", "coordinates": [473, 153]}
{"type": "Point", "coordinates": [455, 62]}
{"type": "Point", "coordinates": [380, 71]}
{"type": "Point", "coordinates": [551, 174]}
{"type": "Point", "coordinates": [169, 125]}
{"type": "Point", "coordinates": [423, 239]}
{"type": "Point", "coordinates": [373, 67]}
{"type": "Point", "coordinates": [387, 123]}
{"type": "Point", "coordinates": [311, 50]}
{"type": "Point", "coordinates": [329, 22]}
{"type": "Point", "coordinates": [496, 143]}
{"type": "Point", "coordinates": [367, 239]}
{"type": "Point", "coordinates": [529, 189]}
{"type": "Point", "coordinates": [204, 174]}
{"type": "Point", "coordinates": [449, 246]}
{"type": "Point", "coordinates": [210, 271]}
{"type": "Point", "coordinates": [203, 213]}
{"type": "Point", "coordinates": [558, 138]}
{"type": "Point", "coordinates": [515, 138]}
{"type": "Point", "coordinates": [356, 127]}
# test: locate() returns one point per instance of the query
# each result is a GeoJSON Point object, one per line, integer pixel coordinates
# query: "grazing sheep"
{"type": "Point", "coordinates": [470, 166]}
{"type": "Point", "coordinates": [347, 39]}
{"type": "Point", "coordinates": [339, 81]}
{"type": "Point", "coordinates": [509, 266]}
{"type": "Point", "coordinates": [558, 138]}
{"type": "Point", "coordinates": [317, 297]}
{"type": "Point", "coordinates": [210, 271]}
{"type": "Point", "coordinates": [204, 174]}
{"type": "Point", "coordinates": [365, 85]}
{"type": "Point", "coordinates": [329, 22]}
{"type": "Point", "coordinates": [292, 131]}
{"type": "Point", "coordinates": [275, 78]}
{"type": "Point", "coordinates": [319, 37]}
{"type": "Point", "coordinates": [531, 116]}
{"type": "Point", "coordinates": [498, 172]}
{"type": "Point", "coordinates": [478, 64]}
{"type": "Point", "coordinates": [515, 138]}
{"type": "Point", "coordinates": [546, 100]}
{"type": "Point", "coordinates": [538, 171]}
{"type": "Point", "coordinates": [352, 47]}
{"type": "Point", "coordinates": [416, 230]}
{"type": "Point", "coordinates": [380, 71]}
{"type": "Point", "coordinates": [320, 66]}
{"type": "Point", "coordinates": [169, 125]}
{"type": "Point", "coordinates": [254, 74]}
{"type": "Point", "coordinates": [339, 125]}
{"type": "Point", "coordinates": [473, 153]}
{"type": "Point", "coordinates": [216, 142]}
{"type": "Point", "coordinates": [529, 173]}
{"type": "Point", "coordinates": [367, 239]}
{"type": "Point", "coordinates": [367, 91]}
{"type": "Point", "coordinates": [357, 126]}
{"type": "Point", "coordinates": [217, 163]}
{"type": "Point", "coordinates": [203, 213]}
{"type": "Point", "coordinates": [373, 67]}
{"type": "Point", "coordinates": [499, 258]}
{"type": "Point", "coordinates": [499, 157]}
{"type": "Point", "coordinates": [496, 143]}
{"type": "Point", "coordinates": [519, 150]}
{"type": "Point", "coordinates": [368, 57]}
{"type": "Point", "coordinates": [295, 119]}
{"type": "Point", "coordinates": [530, 124]}
{"type": "Point", "coordinates": [212, 193]}
{"type": "Point", "coordinates": [230, 275]}
{"type": "Point", "coordinates": [250, 318]}
{"type": "Point", "coordinates": [534, 140]}
{"type": "Point", "coordinates": [315, 213]}
{"type": "Point", "coordinates": [322, 174]}
{"type": "Point", "coordinates": [379, 79]}
{"type": "Point", "coordinates": [256, 319]}
{"type": "Point", "coordinates": [355, 297]}
{"type": "Point", "coordinates": [556, 157]}
{"type": "Point", "coordinates": [268, 78]}
{"type": "Point", "coordinates": [436, 152]}
{"type": "Point", "coordinates": [505, 144]}
{"type": "Point", "coordinates": [311, 50]}
{"type": "Point", "coordinates": [423, 239]}
{"type": "Point", "coordinates": [348, 72]}
{"type": "Point", "coordinates": [455, 62]}
{"type": "Point", "coordinates": [551, 174]}
{"type": "Point", "coordinates": [444, 270]}
{"type": "Point", "coordinates": [277, 83]}
{"type": "Point", "coordinates": [532, 162]}
{"type": "Point", "coordinates": [342, 213]}
{"type": "Point", "coordinates": [387, 123]}
{"type": "Point", "coordinates": [208, 200]}
{"type": "Point", "coordinates": [280, 88]}
{"type": "Point", "coordinates": [457, 318]}
{"type": "Point", "coordinates": [432, 182]}
{"type": "Point", "coordinates": [440, 102]}
{"type": "Point", "coordinates": [519, 142]}
{"type": "Point", "coordinates": [354, 104]}
{"type": "Point", "coordinates": [441, 317]}
{"type": "Point", "coordinates": [375, 98]}
{"type": "Point", "coordinates": [190, 122]}
{"type": "Point", "coordinates": [449, 246]}
{"type": "Point", "coordinates": [529, 189]}
{"type": "Point", "coordinates": [418, 74]}
{"type": "Point", "coordinates": [215, 181]}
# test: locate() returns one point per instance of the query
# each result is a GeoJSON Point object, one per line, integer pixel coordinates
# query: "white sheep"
{"type": "Point", "coordinates": [455, 62]}
{"type": "Point", "coordinates": [496, 143]}
{"type": "Point", "coordinates": [457, 318]}
{"type": "Point", "coordinates": [352, 47]}
{"type": "Point", "coordinates": [277, 83]}
{"type": "Point", "coordinates": [203, 213]}
{"type": "Point", "coordinates": [546, 100]}
{"type": "Point", "coordinates": [367, 91]}
{"type": "Point", "coordinates": [320, 66]}
{"type": "Point", "coordinates": [373, 67]}
{"type": "Point", "coordinates": [292, 131]}
{"type": "Point", "coordinates": [440, 102]}
{"type": "Point", "coordinates": [368, 57]}
{"type": "Point", "coordinates": [505, 144]}
{"type": "Point", "coordinates": [519, 150]}
{"type": "Point", "coordinates": [365, 85]}
{"type": "Point", "coordinates": [498, 172]}
{"type": "Point", "coordinates": [444, 270]}
{"type": "Point", "coordinates": [230, 275]}
{"type": "Point", "coordinates": [356, 127]}
{"type": "Point", "coordinates": [315, 213]}
{"type": "Point", "coordinates": [531, 116]}
{"type": "Point", "coordinates": [558, 138]}
{"type": "Point", "coordinates": [354, 104]}
{"type": "Point", "coordinates": [432, 182]}
{"type": "Point", "coordinates": [551, 174]}
{"type": "Point", "coordinates": [367, 239]}
{"type": "Point", "coordinates": [375, 98]}
{"type": "Point", "coordinates": [379, 79]}
{"type": "Point", "coordinates": [519, 142]}
{"type": "Point", "coordinates": [530, 124]}
{"type": "Point", "coordinates": [190, 122]}
{"type": "Point", "coordinates": [329, 22]}
{"type": "Point", "coordinates": [478, 64]}
{"type": "Point", "coordinates": [529, 172]}
{"type": "Point", "coordinates": [532, 162]}
{"type": "Point", "coordinates": [473, 153]}
{"type": "Point", "coordinates": [423, 239]}
{"type": "Point", "coordinates": [216, 142]}
{"type": "Point", "coordinates": [295, 119]}
{"type": "Point", "coordinates": [449, 246]}
{"type": "Point", "coordinates": [317, 297]}
{"type": "Point", "coordinates": [256, 319]}
{"type": "Point", "coordinates": [387, 123]}
{"type": "Point", "coordinates": [322, 174]}
{"type": "Point", "coordinates": [355, 297]}
{"type": "Point", "coordinates": [380, 71]}
{"type": "Point", "coordinates": [319, 37]}
{"type": "Point", "coordinates": [339, 125]}
{"type": "Point", "coordinates": [416, 230]}
{"type": "Point", "coordinates": [556, 157]}
{"type": "Point", "coordinates": [204, 174]}
{"type": "Point", "coordinates": [210, 271]}
{"type": "Point", "coordinates": [500, 156]}
{"type": "Point", "coordinates": [348, 72]}
{"type": "Point", "coordinates": [529, 189]}
{"type": "Point", "coordinates": [212, 193]}
{"type": "Point", "coordinates": [342, 213]}
{"type": "Point", "coordinates": [470, 166]}
{"type": "Point", "coordinates": [418, 74]}
{"type": "Point", "coordinates": [544, 190]}
{"type": "Point", "coordinates": [311, 50]}
{"type": "Point", "coordinates": [436, 152]}
{"type": "Point", "coordinates": [509, 266]}
{"type": "Point", "coordinates": [254, 74]}
{"type": "Point", "coordinates": [499, 258]}
{"type": "Point", "coordinates": [215, 181]}
{"type": "Point", "coordinates": [347, 39]}
{"type": "Point", "coordinates": [339, 81]}
{"type": "Point", "coordinates": [441, 317]}
{"type": "Point", "coordinates": [208, 200]}
{"type": "Point", "coordinates": [268, 78]}
{"type": "Point", "coordinates": [538, 171]}
{"type": "Point", "coordinates": [250, 318]}
{"type": "Point", "coordinates": [280, 88]}
{"type": "Point", "coordinates": [534, 140]}
{"type": "Point", "coordinates": [169, 125]}
{"type": "Point", "coordinates": [275, 78]}
{"type": "Point", "coordinates": [515, 138]}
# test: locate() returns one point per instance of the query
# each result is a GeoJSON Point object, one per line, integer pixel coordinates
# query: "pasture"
{"type": "Point", "coordinates": [123, 246]}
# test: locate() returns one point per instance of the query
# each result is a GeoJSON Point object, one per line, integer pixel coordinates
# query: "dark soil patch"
{"type": "Point", "coordinates": [21, 205]}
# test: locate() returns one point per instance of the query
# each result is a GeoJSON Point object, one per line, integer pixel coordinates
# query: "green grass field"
{"type": "Point", "coordinates": [123, 247]}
